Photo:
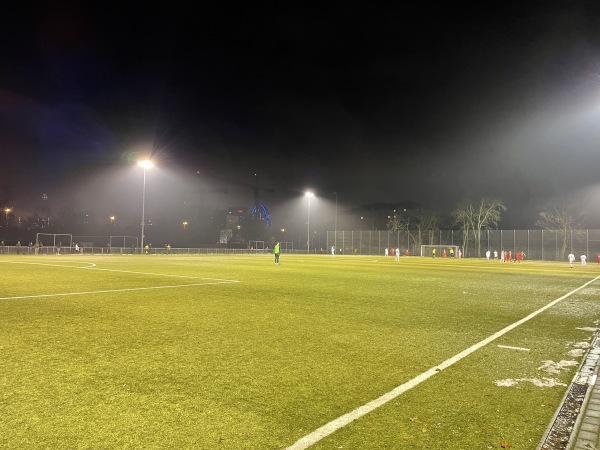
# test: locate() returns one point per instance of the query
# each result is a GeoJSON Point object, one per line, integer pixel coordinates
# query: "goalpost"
{"type": "Point", "coordinates": [123, 241]}
{"type": "Point", "coordinates": [427, 250]}
{"type": "Point", "coordinates": [257, 246]}
{"type": "Point", "coordinates": [54, 240]}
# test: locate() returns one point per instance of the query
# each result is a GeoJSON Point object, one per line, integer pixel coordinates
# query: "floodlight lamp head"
{"type": "Point", "coordinates": [146, 164]}
{"type": "Point", "coordinates": [309, 194]}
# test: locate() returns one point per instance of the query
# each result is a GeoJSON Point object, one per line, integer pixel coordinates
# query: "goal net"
{"type": "Point", "coordinates": [54, 240]}
{"type": "Point", "coordinates": [256, 246]}
{"type": "Point", "coordinates": [428, 250]}
{"type": "Point", "coordinates": [123, 241]}
{"type": "Point", "coordinates": [287, 246]}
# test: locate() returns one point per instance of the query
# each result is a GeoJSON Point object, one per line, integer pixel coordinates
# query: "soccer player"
{"type": "Point", "coordinates": [583, 260]}
{"type": "Point", "coordinates": [571, 258]}
{"type": "Point", "coordinates": [495, 254]}
{"type": "Point", "coordinates": [333, 251]}
{"type": "Point", "coordinates": [433, 253]}
{"type": "Point", "coordinates": [487, 255]}
{"type": "Point", "coordinates": [386, 252]}
{"type": "Point", "coordinates": [451, 253]}
{"type": "Point", "coordinates": [398, 254]}
{"type": "Point", "coordinates": [276, 253]}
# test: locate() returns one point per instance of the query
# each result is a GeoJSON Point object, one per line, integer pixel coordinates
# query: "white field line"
{"type": "Point", "coordinates": [105, 291]}
{"type": "Point", "coordinates": [523, 349]}
{"type": "Point", "coordinates": [342, 421]}
{"type": "Point", "coordinates": [92, 266]}
{"type": "Point", "coordinates": [88, 264]}
{"type": "Point", "coordinates": [223, 280]}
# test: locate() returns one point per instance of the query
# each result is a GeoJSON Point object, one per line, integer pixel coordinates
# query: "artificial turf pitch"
{"type": "Point", "coordinates": [234, 352]}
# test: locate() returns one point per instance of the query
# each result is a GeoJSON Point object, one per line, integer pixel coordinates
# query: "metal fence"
{"type": "Point", "coordinates": [547, 245]}
{"type": "Point", "coordinates": [91, 250]}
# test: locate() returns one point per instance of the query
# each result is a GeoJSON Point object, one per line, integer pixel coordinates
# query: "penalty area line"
{"type": "Point", "coordinates": [329, 428]}
{"type": "Point", "coordinates": [108, 291]}
{"type": "Point", "coordinates": [191, 277]}
{"type": "Point", "coordinates": [92, 266]}
{"type": "Point", "coordinates": [87, 264]}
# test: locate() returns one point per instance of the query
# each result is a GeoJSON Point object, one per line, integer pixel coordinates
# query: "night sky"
{"type": "Point", "coordinates": [429, 104]}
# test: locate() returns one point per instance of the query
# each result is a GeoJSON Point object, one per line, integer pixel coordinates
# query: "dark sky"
{"type": "Point", "coordinates": [426, 103]}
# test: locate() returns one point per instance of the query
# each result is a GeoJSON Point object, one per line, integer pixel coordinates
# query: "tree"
{"type": "Point", "coordinates": [464, 218]}
{"type": "Point", "coordinates": [562, 221]}
{"type": "Point", "coordinates": [426, 224]}
{"type": "Point", "coordinates": [417, 223]}
{"type": "Point", "coordinates": [474, 217]}
{"type": "Point", "coordinates": [395, 223]}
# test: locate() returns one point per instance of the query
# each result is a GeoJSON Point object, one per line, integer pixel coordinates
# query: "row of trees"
{"type": "Point", "coordinates": [475, 217]}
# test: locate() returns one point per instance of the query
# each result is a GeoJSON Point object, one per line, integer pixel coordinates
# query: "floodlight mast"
{"type": "Point", "coordinates": [335, 223]}
{"type": "Point", "coordinates": [145, 164]}
{"type": "Point", "coordinates": [309, 195]}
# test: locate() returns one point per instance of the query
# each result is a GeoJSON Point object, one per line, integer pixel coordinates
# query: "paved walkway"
{"type": "Point", "coordinates": [586, 433]}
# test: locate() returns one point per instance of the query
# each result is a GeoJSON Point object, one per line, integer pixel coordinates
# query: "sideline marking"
{"type": "Point", "coordinates": [342, 421]}
{"type": "Point", "coordinates": [116, 290]}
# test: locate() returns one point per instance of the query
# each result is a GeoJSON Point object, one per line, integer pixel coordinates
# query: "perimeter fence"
{"type": "Point", "coordinates": [546, 245]}
{"type": "Point", "coordinates": [114, 250]}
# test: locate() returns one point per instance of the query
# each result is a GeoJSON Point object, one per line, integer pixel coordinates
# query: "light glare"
{"type": "Point", "coordinates": [146, 164]}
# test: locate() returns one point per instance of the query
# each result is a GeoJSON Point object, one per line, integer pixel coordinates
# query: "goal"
{"type": "Point", "coordinates": [256, 246]}
{"type": "Point", "coordinates": [123, 241]}
{"type": "Point", "coordinates": [54, 240]}
{"type": "Point", "coordinates": [427, 250]}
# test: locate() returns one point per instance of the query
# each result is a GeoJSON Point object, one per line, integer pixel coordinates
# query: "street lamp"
{"type": "Point", "coordinates": [145, 164]}
{"type": "Point", "coordinates": [112, 219]}
{"type": "Point", "coordinates": [309, 195]}
{"type": "Point", "coordinates": [6, 211]}
{"type": "Point", "coordinates": [335, 223]}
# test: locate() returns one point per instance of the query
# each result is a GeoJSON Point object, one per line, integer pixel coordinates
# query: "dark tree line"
{"type": "Point", "coordinates": [473, 217]}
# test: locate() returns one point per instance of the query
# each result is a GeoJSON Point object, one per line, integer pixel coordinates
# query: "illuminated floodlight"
{"type": "Point", "coordinates": [6, 211]}
{"type": "Point", "coordinates": [146, 164]}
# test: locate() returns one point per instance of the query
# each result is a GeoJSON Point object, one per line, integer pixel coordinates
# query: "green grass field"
{"type": "Point", "coordinates": [233, 352]}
